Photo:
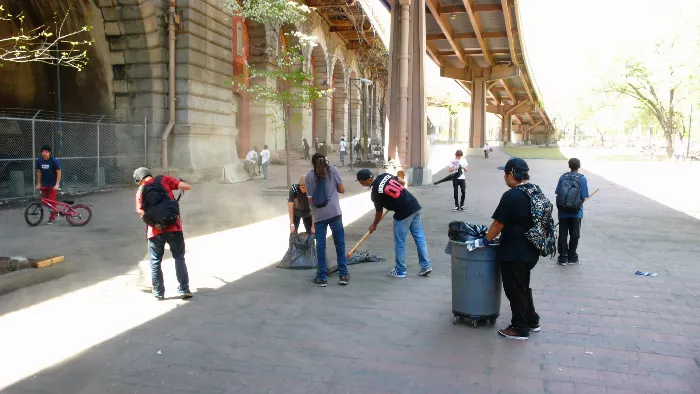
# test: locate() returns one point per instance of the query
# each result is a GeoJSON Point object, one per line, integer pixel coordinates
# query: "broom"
{"type": "Point", "coordinates": [363, 238]}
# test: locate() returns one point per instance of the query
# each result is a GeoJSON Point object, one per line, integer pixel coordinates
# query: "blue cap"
{"type": "Point", "coordinates": [516, 165]}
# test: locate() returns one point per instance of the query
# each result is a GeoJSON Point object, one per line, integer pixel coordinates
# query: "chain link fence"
{"type": "Point", "coordinates": [96, 152]}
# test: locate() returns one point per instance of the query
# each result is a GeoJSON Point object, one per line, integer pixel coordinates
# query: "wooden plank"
{"type": "Point", "coordinates": [478, 28]}
{"type": "Point", "coordinates": [509, 91]}
{"type": "Point", "coordinates": [460, 9]}
{"type": "Point", "coordinates": [468, 35]}
{"type": "Point", "coordinates": [45, 262]}
{"type": "Point", "coordinates": [446, 27]}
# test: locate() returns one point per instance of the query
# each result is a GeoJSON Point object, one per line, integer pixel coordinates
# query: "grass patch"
{"type": "Point", "coordinates": [535, 153]}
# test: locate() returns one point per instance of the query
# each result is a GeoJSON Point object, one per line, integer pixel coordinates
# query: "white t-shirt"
{"type": "Point", "coordinates": [454, 164]}
{"type": "Point", "coordinates": [342, 146]}
{"type": "Point", "coordinates": [265, 156]}
{"type": "Point", "coordinates": [252, 156]}
{"type": "Point", "coordinates": [486, 147]}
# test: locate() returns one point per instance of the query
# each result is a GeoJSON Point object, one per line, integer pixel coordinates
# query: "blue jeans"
{"type": "Point", "coordinates": [264, 170]}
{"type": "Point", "coordinates": [342, 157]}
{"type": "Point", "coordinates": [336, 225]}
{"type": "Point", "coordinates": [401, 228]}
{"type": "Point", "coordinates": [156, 249]}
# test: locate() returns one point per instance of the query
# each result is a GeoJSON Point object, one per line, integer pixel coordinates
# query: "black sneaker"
{"type": "Point", "coordinates": [159, 297]}
{"type": "Point", "coordinates": [425, 272]}
{"type": "Point", "coordinates": [562, 260]}
{"type": "Point", "coordinates": [456, 208]}
{"type": "Point", "coordinates": [186, 295]}
{"type": "Point", "coordinates": [319, 282]}
{"type": "Point", "coordinates": [512, 333]}
{"type": "Point", "coordinates": [462, 208]}
{"type": "Point", "coordinates": [535, 328]}
{"type": "Point", "coordinates": [573, 260]}
{"type": "Point", "coordinates": [50, 222]}
{"type": "Point", "coordinates": [344, 280]}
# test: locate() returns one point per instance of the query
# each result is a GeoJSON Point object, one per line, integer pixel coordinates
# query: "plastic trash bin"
{"type": "Point", "coordinates": [476, 284]}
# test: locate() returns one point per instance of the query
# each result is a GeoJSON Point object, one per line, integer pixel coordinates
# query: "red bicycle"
{"type": "Point", "coordinates": [76, 215]}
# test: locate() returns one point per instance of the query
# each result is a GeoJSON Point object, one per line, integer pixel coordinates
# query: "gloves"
{"type": "Point", "coordinates": [477, 243]}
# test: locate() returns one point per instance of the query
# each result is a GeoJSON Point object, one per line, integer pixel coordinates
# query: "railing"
{"type": "Point", "coordinates": [96, 152]}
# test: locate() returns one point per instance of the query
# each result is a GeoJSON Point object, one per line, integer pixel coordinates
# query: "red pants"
{"type": "Point", "coordinates": [50, 193]}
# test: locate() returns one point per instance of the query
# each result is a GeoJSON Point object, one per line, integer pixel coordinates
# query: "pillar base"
{"type": "Point", "coordinates": [425, 180]}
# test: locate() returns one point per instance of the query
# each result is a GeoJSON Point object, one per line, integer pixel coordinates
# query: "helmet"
{"type": "Point", "coordinates": [141, 173]}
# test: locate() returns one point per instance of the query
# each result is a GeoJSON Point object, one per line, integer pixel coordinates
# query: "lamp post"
{"type": "Point", "coordinates": [362, 81]}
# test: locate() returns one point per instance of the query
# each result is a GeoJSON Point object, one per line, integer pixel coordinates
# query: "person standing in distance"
{"type": "Point", "coordinates": [388, 192]}
{"type": "Point", "coordinates": [172, 235]}
{"type": "Point", "coordinates": [48, 177]}
{"type": "Point", "coordinates": [323, 184]}
{"type": "Point", "coordinates": [572, 189]}
{"type": "Point", "coordinates": [516, 255]}
{"type": "Point", "coordinates": [265, 160]}
{"type": "Point", "coordinates": [343, 146]}
{"type": "Point", "coordinates": [459, 163]}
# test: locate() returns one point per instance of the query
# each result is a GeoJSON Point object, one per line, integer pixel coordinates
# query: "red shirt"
{"type": "Point", "coordinates": [170, 184]}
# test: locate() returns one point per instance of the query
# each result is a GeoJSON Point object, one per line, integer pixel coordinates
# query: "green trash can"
{"type": "Point", "coordinates": [476, 284]}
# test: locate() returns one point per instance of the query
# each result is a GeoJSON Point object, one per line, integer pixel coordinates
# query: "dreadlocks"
{"type": "Point", "coordinates": [320, 165]}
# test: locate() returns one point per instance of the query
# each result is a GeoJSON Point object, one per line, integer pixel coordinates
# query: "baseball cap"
{"type": "Point", "coordinates": [364, 175]}
{"type": "Point", "coordinates": [515, 164]}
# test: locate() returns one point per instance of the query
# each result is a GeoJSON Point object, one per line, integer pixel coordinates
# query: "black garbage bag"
{"type": "Point", "coordinates": [463, 232]}
{"type": "Point", "coordinates": [301, 253]}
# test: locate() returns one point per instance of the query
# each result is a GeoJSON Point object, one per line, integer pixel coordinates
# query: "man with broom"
{"type": "Point", "coordinates": [388, 192]}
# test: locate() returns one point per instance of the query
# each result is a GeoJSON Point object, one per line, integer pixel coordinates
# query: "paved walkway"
{"type": "Point", "coordinates": [252, 328]}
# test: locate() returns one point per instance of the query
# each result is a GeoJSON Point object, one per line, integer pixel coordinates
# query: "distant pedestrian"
{"type": "Point", "coordinates": [572, 191]}
{"type": "Point", "coordinates": [487, 149]}
{"type": "Point", "coordinates": [306, 149]}
{"type": "Point", "coordinates": [265, 160]}
{"type": "Point", "coordinates": [298, 203]}
{"type": "Point", "coordinates": [323, 185]}
{"type": "Point", "coordinates": [48, 177]}
{"type": "Point", "coordinates": [155, 203]}
{"type": "Point", "coordinates": [388, 192]}
{"type": "Point", "coordinates": [459, 164]}
{"type": "Point", "coordinates": [342, 147]}
{"type": "Point", "coordinates": [516, 255]}
{"type": "Point", "coordinates": [251, 162]}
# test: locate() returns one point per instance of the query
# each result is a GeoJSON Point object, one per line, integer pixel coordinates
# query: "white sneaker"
{"type": "Point", "coordinates": [396, 274]}
{"type": "Point", "coordinates": [456, 208]}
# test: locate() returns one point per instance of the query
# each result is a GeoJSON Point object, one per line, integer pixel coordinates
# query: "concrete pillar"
{"type": "Point", "coordinates": [509, 127]}
{"type": "Point", "coordinates": [478, 108]}
{"type": "Point", "coordinates": [407, 122]}
{"type": "Point", "coordinates": [324, 116]}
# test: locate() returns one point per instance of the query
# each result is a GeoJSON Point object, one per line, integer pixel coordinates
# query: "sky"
{"type": "Point", "coordinates": [570, 44]}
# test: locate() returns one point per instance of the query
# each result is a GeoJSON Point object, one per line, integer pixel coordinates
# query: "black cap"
{"type": "Point", "coordinates": [364, 175]}
{"type": "Point", "coordinates": [45, 148]}
{"type": "Point", "coordinates": [516, 165]}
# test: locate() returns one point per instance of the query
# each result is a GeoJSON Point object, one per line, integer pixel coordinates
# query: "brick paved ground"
{"type": "Point", "coordinates": [605, 330]}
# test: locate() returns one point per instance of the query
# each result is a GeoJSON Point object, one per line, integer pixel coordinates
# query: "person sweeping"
{"type": "Point", "coordinates": [388, 192]}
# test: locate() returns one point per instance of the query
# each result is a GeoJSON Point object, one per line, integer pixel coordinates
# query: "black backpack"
{"type": "Point", "coordinates": [160, 211]}
{"type": "Point", "coordinates": [569, 193]}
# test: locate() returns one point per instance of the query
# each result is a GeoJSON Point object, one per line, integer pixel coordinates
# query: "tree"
{"type": "Point", "coordinates": [661, 83]}
{"type": "Point", "coordinates": [453, 106]}
{"type": "Point", "coordinates": [287, 63]}
{"type": "Point", "coordinates": [49, 44]}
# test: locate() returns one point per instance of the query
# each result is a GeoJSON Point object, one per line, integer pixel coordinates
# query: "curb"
{"type": "Point", "coordinates": [45, 269]}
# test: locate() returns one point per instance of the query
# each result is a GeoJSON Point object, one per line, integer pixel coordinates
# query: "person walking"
{"type": "Point", "coordinates": [158, 237]}
{"type": "Point", "coordinates": [342, 147]}
{"type": "Point", "coordinates": [48, 177]}
{"type": "Point", "coordinates": [265, 160]}
{"type": "Point", "coordinates": [572, 192]}
{"type": "Point", "coordinates": [459, 163]}
{"type": "Point", "coordinates": [487, 149]}
{"type": "Point", "coordinates": [298, 203]}
{"type": "Point", "coordinates": [323, 185]}
{"type": "Point", "coordinates": [307, 148]}
{"type": "Point", "coordinates": [388, 192]}
{"type": "Point", "coordinates": [516, 255]}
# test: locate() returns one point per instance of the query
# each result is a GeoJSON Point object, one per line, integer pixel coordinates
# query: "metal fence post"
{"type": "Point", "coordinates": [145, 141]}
{"type": "Point", "coordinates": [33, 167]}
{"type": "Point", "coordinates": [97, 173]}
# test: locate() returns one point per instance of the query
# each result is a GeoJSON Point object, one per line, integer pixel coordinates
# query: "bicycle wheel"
{"type": "Point", "coordinates": [79, 216]}
{"type": "Point", "coordinates": [34, 214]}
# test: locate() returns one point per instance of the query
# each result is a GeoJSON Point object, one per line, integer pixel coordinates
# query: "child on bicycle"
{"type": "Point", "coordinates": [48, 177]}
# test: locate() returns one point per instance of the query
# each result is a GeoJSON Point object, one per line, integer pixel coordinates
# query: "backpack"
{"type": "Point", "coordinates": [569, 193]}
{"type": "Point", "coordinates": [160, 211]}
{"type": "Point", "coordinates": [543, 234]}
{"type": "Point", "coordinates": [321, 196]}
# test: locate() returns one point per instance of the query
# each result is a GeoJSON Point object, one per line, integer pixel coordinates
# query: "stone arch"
{"type": "Point", "coordinates": [262, 128]}
{"type": "Point", "coordinates": [241, 99]}
{"type": "Point", "coordinates": [339, 103]}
